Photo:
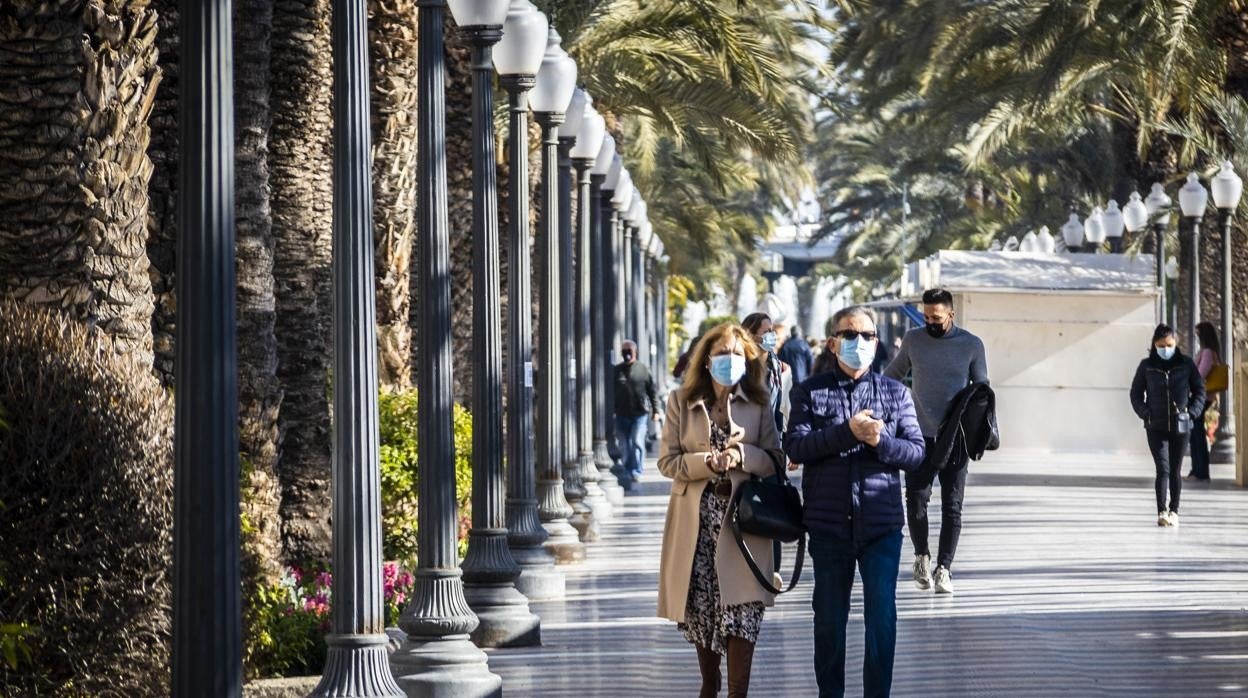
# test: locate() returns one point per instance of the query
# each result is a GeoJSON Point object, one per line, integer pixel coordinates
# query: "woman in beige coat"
{"type": "Point", "coordinates": [719, 430]}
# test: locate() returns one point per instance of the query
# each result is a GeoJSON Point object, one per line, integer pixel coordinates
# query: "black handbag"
{"type": "Point", "coordinates": [770, 508]}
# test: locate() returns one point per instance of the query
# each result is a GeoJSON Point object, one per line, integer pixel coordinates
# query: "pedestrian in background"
{"type": "Point", "coordinates": [1168, 394]}
{"type": "Point", "coordinates": [760, 328]}
{"type": "Point", "coordinates": [636, 399]}
{"type": "Point", "coordinates": [1209, 357]}
{"type": "Point", "coordinates": [942, 360]}
{"type": "Point", "coordinates": [797, 354]}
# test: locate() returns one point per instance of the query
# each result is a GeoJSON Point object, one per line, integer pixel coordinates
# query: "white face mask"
{"type": "Point", "coordinates": [857, 353]}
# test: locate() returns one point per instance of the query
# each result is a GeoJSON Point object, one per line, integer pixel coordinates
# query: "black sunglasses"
{"type": "Point", "coordinates": [855, 334]}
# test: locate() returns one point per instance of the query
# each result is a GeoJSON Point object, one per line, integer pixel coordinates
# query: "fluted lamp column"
{"type": "Point", "coordinates": [584, 153]}
{"type": "Point", "coordinates": [438, 657]}
{"type": "Point", "coordinates": [207, 655]}
{"type": "Point", "coordinates": [626, 204]}
{"type": "Point", "coordinates": [582, 518]}
{"type": "Point", "coordinates": [1158, 206]}
{"type": "Point", "coordinates": [620, 243]}
{"type": "Point", "coordinates": [602, 186]}
{"type": "Point", "coordinates": [490, 572]}
{"type": "Point", "coordinates": [550, 97]}
{"type": "Point", "coordinates": [357, 660]}
{"type": "Point", "coordinates": [518, 57]}
{"type": "Point", "coordinates": [1193, 198]}
{"type": "Point", "coordinates": [1227, 189]}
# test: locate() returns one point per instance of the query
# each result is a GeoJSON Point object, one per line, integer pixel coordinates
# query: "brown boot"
{"type": "Point", "coordinates": [708, 664]}
{"type": "Point", "coordinates": [740, 659]}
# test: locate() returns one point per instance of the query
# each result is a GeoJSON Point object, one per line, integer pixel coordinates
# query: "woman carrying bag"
{"type": "Point", "coordinates": [720, 430]}
{"type": "Point", "coordinates": [1169, 395]}
{"type": "Point", "coordinates": [1214, 375]}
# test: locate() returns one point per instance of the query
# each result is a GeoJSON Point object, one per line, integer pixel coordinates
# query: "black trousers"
{"type": "Point", "coordinates": [1167, 448]}
{"type": "Point", "coordinates": [952, 488]}
{"type": "Point", "coordinates": [1200, 448]}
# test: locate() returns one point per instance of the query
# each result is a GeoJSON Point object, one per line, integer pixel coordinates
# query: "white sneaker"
{"type": "Point", "coordinates": [944, 581]}
{"type": "Point", "coordinates": [923, 571]}
{"type": "Point", "coordinates": [1163, 518]}
{"type": "Point", "coordinates": [1173, 518]}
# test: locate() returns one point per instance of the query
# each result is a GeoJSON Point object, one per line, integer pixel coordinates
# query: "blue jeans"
{"type": "Point", "coordinates": [630, 433]}
{"type": "Point", "coordinates": [834, 561]}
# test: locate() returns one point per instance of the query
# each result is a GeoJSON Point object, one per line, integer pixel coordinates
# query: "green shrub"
{"type": "Point", "coordinates": [87, 480]}
{"type": "Point", "coordinates": [398, 421]}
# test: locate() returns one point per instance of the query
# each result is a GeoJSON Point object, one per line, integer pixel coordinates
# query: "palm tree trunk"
{"type": "Point", "coordinates": [459, 202]}
{"type": "Point", "coordinates": [300, 177]}
{"type": "Point", "coordinates": [260, 393]}
{"type": "Point", "coordinates": [162, 192]}
{"type": "Point", "coordinates": [392, 35]}
{"type": "Point", "coordinates": [78, 80]}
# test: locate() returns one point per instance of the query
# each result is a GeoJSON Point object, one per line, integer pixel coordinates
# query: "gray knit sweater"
{"type": "Point", "coordinates": [941, 368]}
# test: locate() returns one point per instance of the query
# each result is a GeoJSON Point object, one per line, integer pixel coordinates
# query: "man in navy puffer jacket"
{"type": "Point", "coordinates": [853, 430]}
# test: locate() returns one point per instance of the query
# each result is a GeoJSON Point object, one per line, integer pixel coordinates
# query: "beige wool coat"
{"type": "Point", "coordinates": [686, 442]}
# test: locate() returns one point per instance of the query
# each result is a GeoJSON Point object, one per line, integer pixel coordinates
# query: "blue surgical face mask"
{"type": "Point", "coordinates": [727, 369]}
{"type": "Point", "coordinates": [768, 341]}
{"type": "Point", "coordinates": [1166, 353]}
{"type": "Point", "coordinates": [857, 353]}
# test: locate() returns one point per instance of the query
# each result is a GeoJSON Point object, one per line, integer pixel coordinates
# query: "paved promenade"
{"type": "Point", "coordinates": [1065, 587]}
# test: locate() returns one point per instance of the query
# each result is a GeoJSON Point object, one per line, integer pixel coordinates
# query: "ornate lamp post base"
{"type": "Point", "coordinates": [446, 667]}
{"type": "Point", "coordinates": [539, 579]}
{"type": "Point", "coordinates": [358, 661]}
{"type": "Point", "coordinates": [503, 612]}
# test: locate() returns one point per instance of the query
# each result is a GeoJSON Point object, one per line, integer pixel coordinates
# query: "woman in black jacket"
{"type": "Point", "coordinates": [1169, 395]}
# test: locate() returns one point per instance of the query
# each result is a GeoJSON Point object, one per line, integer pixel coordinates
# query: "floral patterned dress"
{"type": "Point", "coordinates": [707, 622]}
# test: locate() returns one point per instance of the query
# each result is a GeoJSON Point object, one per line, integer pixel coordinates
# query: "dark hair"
{"type": "Point", "coordinates": [796, 331]}
{"type": "Point", "coordinates": [1163, 330]}
{"type": "Point", "coordinates": [938, 296]}
{"type": "Point", "coordinates": [753, 321]}
{"type": "Point", "coordinates": [1208, 337]}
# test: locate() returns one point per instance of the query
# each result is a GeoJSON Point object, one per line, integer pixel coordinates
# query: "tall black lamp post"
{"type": "Point", "coordinates": [602, 186]}
{"type": "Point", "coordinates": [589, 137]}
{"type": "Point", "coordinates": [1158, 206]}
{"type": "Point", "coordinates": [550, 98]}
{"type": "Point", "coordinates": [357, 646]}
{"type": "Point", "coordinates": [438, 657]}
{"type": "Point", "coordinates": [1193, 198]}
{"type": "Point", "coordinates": [207, 617]}
{"type": "Point", "coordinates": [518, 57]}
{"type": "Point", "coordinates": [490, 572]}
{"type": "Point", "coordinates": [1227, 188]}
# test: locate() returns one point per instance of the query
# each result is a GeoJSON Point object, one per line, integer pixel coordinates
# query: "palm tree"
{"type": "Point", "coordinates": [162, 191]}
{"type": "Point", "coordinates": [392, 40]}
{"type": "Point", "coordinates": [260, 393]}
{"type": "Point", "coordinates": [78, 80]}
{"type": "Point", "coordinates": [300, 178]}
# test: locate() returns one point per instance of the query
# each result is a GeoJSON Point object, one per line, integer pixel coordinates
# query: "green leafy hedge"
{"type": "Point", "coordinates": [398, 474]}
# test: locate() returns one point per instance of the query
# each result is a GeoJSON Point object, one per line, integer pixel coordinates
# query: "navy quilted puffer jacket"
{"type": "Point", "coordinates": [852, 490]}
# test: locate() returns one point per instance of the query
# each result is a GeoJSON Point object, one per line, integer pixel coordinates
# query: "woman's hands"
{"type": "Point", "coordinates": [725, 460]}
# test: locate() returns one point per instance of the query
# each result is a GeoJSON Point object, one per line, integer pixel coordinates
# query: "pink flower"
{"type": "Point", "coordinates": [325, 579]}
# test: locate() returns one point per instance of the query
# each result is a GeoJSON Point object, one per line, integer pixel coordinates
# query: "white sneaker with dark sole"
{"type": "Point", "coordinates": [1173, 518]}
{"type": "Point", "coordinates": [1163, 518]}
{"type": "Point", "coordinates": [944, 581]}
{"type": "Point", "coordinates": [923, 572]}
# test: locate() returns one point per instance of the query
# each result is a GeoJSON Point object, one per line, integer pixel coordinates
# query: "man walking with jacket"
{"type": "Point", "coordinates": [636, 400]}
{"type": "Point", "coordinates": [942, 359]}
{"type": "Point", "coordinates": [854, 430]}
{"type": "Point", "coordinates": [797, 354]}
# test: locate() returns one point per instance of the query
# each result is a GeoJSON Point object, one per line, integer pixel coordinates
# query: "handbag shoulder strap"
{"type": "Point", "coordinates": [749, 557]}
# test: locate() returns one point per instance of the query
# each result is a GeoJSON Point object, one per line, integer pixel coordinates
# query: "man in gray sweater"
{"type": "Point", "coordinates": [942, 359]}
